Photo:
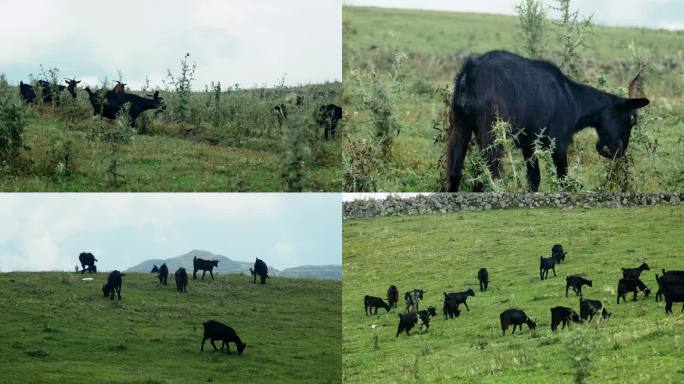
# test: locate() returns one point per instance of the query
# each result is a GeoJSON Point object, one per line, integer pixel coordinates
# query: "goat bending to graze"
{"type": "Point", "coordinates": [516, 317]}
{"type": "Point", "coordinates": [374, 302]}
{"type": "Point", "coordinates": [408, 320]}
{"type": "Point", "coordinates": [576, 282]}
{"type": "Point", "coordinates": [87, 259]}
{"type": "Point", "coordinates": [591, 308]}
{"type": "Point", "coordinates": [213, 330]}
{"type": "Point", "coordinates": [461, 297]}
{"type": "Point", "coordinates": [558, 253]}
{"type": "Point", "coordinates": [626, 285]}
{"type": "Point", "coordinates": [563, 315]}
{"type": "Point", "coordinates": [111, 103]}
{"type": "Point", "coordinates": [450, 307]}
{"type": "Point", "coordinates": [113, 284]}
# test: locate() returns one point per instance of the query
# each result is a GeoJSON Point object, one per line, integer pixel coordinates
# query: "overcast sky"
{"type": "Point", "coordinates": [233, 41]}
{"type": "Point", "coordinates": [667, 14]}
{"type": "Point", "coordinates": [40, 232]}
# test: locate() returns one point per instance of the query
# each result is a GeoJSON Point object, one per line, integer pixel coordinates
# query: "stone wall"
{"type": "Point", "coordinates": [454, 202]}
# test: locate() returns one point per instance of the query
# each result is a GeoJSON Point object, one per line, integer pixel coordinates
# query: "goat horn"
{"type": "Point", "coordinates": [635, 85]}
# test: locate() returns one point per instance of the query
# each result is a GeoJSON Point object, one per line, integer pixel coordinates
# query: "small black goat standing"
{"type": "Point", "coordinates": [450, 307]}
{"type": "Point", "coordinates": [181, 277]}
{"type": "Point", "coordinates": [483, 278]}
{"type": "Point", "coordinates": [213, 330]}
{"type": "Point", "coordinates": [460, 297]}
{"type": "Point", "coordinates": [260, 269]}
{"type": "Point", "coordinates": [113, 284]}
{"type": "Point", "coordinates": [635, 272]}
{"type": "Point", "coordinates": [204, 265]}
{"type": "Point", "coordinates": [576, 282]}
{"type": "Point", "coordinates": [544, 265]}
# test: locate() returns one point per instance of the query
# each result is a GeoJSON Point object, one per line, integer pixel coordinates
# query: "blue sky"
{"type": "Point", "coordinates": [233, 41]}
{"type": "Point", "coordinates": [668, 14]}
{"type": "Point", "coordinates": [47, 231]}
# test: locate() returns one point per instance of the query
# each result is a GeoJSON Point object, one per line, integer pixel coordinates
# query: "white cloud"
{"type": "Point", "coordinates": [235, 41]}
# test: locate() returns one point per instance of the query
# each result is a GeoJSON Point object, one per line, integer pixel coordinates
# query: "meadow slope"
{"type": "Point", "coordinates": [638, 344]}
{"type": "Point", "coordinates": [57, 328]}
{"type": "Point", "coordinates": [399, 66]}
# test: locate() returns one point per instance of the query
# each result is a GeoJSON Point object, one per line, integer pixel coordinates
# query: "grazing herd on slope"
{"type": "Point", "coordinates": [109, 103]}
{"type": "Point", "coordinates": [670, 286]}
{"type": "Point", "coordinates": [213, 330]}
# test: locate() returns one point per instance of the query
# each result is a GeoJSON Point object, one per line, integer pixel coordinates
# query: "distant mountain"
{"type": "Point", "coordinates": [227, 265]}
{"type": "Point", "coordinates": [327, 272]}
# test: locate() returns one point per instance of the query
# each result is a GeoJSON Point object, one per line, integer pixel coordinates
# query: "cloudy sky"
{"type": "Point", "coordinates": [233, 41]}
{"type": "Point", "coordinates": [667, 14]}
{"type": "Point", "coordinates": [41, 232]}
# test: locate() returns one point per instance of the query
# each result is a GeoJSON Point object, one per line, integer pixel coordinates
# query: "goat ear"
{"type": "Point", "coordinates": [634, 103]}
{"type": "Point", "coordinates": [78, 81]}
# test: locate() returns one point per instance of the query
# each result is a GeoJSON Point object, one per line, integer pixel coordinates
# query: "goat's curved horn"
{"type": "Point", "coordinates": [635, 85]}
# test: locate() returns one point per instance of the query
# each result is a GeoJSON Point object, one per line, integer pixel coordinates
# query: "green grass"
{"type": "Point", "coordinates": [57, 328]}
{"type": "Point", "coordinates": [245, 151]}
{"type": "Point", "coordinates": [435, 43]}
{"type": "Point", "coordinates": [638, 344]}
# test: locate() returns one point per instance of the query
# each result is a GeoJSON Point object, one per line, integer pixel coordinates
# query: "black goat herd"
{"type": "Point", "coordinates": [213, 330]}
{"type": "Point", "coordinates": [109, 103]}
{"type": "Point", "coordinates": [670, 286]}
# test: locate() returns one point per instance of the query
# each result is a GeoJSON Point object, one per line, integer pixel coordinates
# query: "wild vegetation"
{"type": "Point", "coordinates": [58, 328]}
{"type": "Point", "coordinates": [443, 252]}
{"type": "Point", "coordinates": [223, 138]}
{"type": "Point", "coordinates": [399, 66]}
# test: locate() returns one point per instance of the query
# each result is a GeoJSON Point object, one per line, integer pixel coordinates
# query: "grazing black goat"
{"type": "Point", "coordinates": [626, 285]}
{"type": "Point", "coordinates": [260, 269]}
{"type": "Point", "coordinates": [516, 317]}
{"type": "Point", "coordinates": [563, 315]}
{"type": "Point", "coordinates": [669, 277]}
{"type": "Point", "coordinates": [450, 307]}
{"type": "Point", "coordinates": [163, 274]}
{"type": "Point", "coordinates": [155, 269]}
{"type": "Point", "coordinates": [374, 302]}
{"type": "Point", "coordinates": [558, 253]}
{"type": "Point", "coordinates": [413, 298]}
{"type": "Point", "coordinates": [181, 278]}
{"type": "Point", "coordinates": [213, 330]}
{"type": "Point", "coordinates": [87, 259]}
{"type": "Point", "coordinates": [204, 265]}
{"type": "Point", "coordinates": [392, 296]}
{"type": "Point", "coordinates": [408, 320]}
{"type": "Point", "coordinates": [111, 103]}
{"type": "Point", "coordinates": [544, 265]}
{"type": "Point", "coordinates": [576, 282]}
{"type": "Point", "coordinates": [328, 116]}
{"type": "Point", "coordinates": [635, 272]}
{"type": "Point", "coordinates": [461, 297]}
{"type": "Point", "coordinates": [483, 278]}
{"type": "Point", "coordinates": [113, 284]}
{"type": "Point", "coordinates": [591, 308]}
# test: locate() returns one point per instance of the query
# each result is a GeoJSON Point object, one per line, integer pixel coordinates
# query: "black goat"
{"type": "Point", "coordinates": [113, 284]}
{"type": "Point", "coordinates": [204, 265]}
{"type": "Point", "coordinates": [450, 307]}
{"type": "Point", "coordinates": [408, 320]}
{"type": "Point", "coordinates": [155, 269]}
{"type": "Point", "coordinates": [483, 278]}
{"type": "Point", "coordinates": [392, 296]}
{"type": "Point", "coordinates": [181, 277]}
{"type": "Point", "coordinates": [626, 285]}
{"type": "Point", "coordinates": [563, 315]}
{"type": "Point", "coordinates": [591, 308]}
{"type": "Point", "coordinates": [576, 282]}
{"type": "Point", "coordinates": [374, 302]}
{"type": "Point", "coordinates": [635, 272]}
{"type": "Point", "coordinates": [87, 259]}
{"type": "Point", "coordinates": [260, 269]}
{"type": "Point", "coordinates": [112, 102]}
{"type": "Point", "coordinates": [329, 116]}
{"type": "Point", "coordinates": [669, 277]}
{"type": "Point", "coordinates": [516, 317]}
{"type": "Point", "coordinates": [461, 297]}
{"type": "Point", "coordinates": [213, 330]}
{"type": "Point", "coordinates": [413, 298]}
{"type": "Point", "coordinates": [27, 93]}
{"type": "Point", "coordinates": [163, 274]}
{"type": "Point", "coordinates": [558, 253]}
{"type": "Point", "coordinates": [544, 265]}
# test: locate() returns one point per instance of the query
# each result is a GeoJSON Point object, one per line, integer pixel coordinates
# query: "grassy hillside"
{"type": "Point", "coordinates": [398, 68]}
{"type": "Point", "coordinates": [216, 140]}
{"type": "Point", "coordinates": [638, 344]}
{"type": "Point", "coordinates": [58, 328]}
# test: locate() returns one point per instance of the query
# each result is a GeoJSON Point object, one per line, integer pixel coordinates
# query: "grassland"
{"type": "Point", "coordinates": [57, 328]}
{"type": "Point", "coordinates": [229, 140]}
{"type": "Point", "coordinates": [402, 63]}
{"type": "Point", "coordinates": [638, 344]}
